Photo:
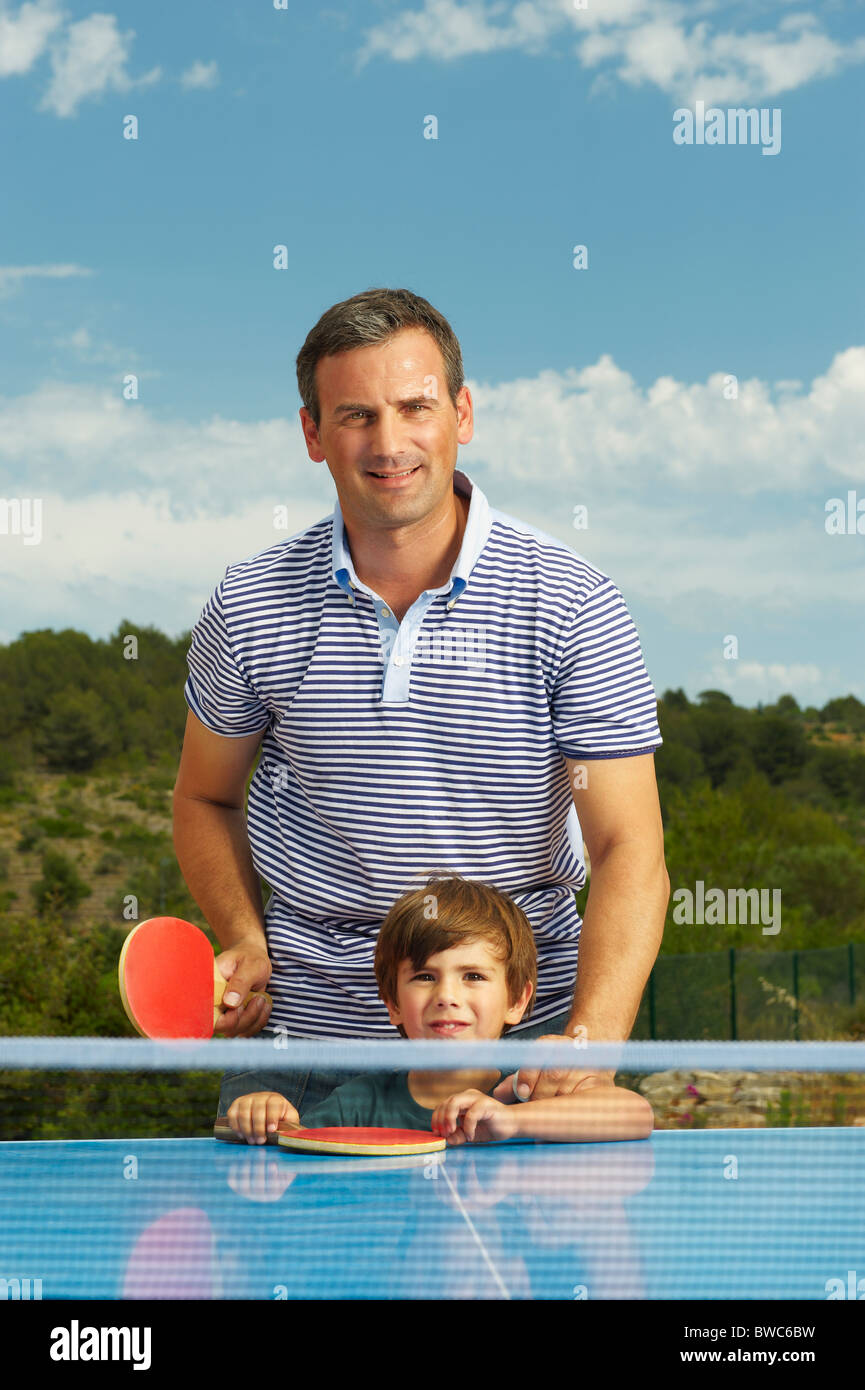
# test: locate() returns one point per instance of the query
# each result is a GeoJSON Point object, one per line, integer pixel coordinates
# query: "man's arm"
{"type": "Point", "coordinates": [620, 817]}
{"type": "Point", "coordinates": [212, 847]}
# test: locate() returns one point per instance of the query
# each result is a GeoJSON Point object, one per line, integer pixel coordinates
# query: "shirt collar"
{"type": "Point", "coordinates": [477, 529]}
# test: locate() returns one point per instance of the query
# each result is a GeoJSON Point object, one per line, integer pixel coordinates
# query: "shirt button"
{"type": "Point", "coordinates": [385, 612]}
{"type": "Point", "coordinates": [399, 661]}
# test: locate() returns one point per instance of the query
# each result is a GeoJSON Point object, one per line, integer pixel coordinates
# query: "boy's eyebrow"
{"type": "Point", "coordinates": [479, 968]}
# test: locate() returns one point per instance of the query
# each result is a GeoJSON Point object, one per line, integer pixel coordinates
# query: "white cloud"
{"type": "Point", "coordinates": [69, 438]}
{"type": "Point", "coordinates": [442, 29]}
{"type": "Point", "coordinates": [704, 572]}
{"type": "Point", "coordinates": [79, 341]}
{"type": "Point", "coordinates": [120, 554]}
{"type": "Point", "coordinates": [88, 57]}
{"type": "Point", "coordinates": [676, 47]}
{"type": "Point", "coordinates": [706, 508]}
{"type": "Point", "coordinates": [85, 348]}
{"type": "Point", "coordinates": [696, 63]}
{"type": "Point", "coordinates": [13, 276]}
{"type": "Point", "coordinates": [595, 425]}
{"type": "Point", "coordinates": [88, 60]}
{"type": "Point", "coordinates": [24, 36]}
{"type": "Point", "coordinates": [781, 674]}
{"type": "Point", "coordinates": [588, 430]}
{"type": "Point", "coordinates": [751, 682]}
{"type": "Point", "coordinates": [200, 75]}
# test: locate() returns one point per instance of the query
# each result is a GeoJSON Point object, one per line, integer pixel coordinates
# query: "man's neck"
{"type": "Point", "coordinates": [400, 563]}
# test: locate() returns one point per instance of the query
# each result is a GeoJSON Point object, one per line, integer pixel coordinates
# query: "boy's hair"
{"type": "Point", "coordinates": [446, 911]}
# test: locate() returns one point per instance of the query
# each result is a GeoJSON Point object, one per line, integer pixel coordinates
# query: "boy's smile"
{"type": "Point", "coordinates": [448, 1027]}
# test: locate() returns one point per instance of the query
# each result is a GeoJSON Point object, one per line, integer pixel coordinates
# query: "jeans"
{"type": "Point", "coordinates": [310, 1087]}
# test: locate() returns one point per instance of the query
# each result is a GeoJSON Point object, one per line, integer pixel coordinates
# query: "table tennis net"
{"type": "Point", "coordinates": [112, 1185]}
{"type": "Point", "coordinates": [100, 1088]}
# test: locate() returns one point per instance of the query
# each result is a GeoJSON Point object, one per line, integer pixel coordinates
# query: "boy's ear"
{"type": "Point", "coordinates": [393, 1012]}
{"type": "Point", "coordinates": [516, 1010]}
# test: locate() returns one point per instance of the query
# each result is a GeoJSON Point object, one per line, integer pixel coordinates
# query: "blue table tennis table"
{"type": "Point", "coordinates": [703, 1214]}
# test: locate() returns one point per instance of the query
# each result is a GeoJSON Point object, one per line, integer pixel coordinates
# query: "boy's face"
{"type": "Point", "coordinates": [459, 993]}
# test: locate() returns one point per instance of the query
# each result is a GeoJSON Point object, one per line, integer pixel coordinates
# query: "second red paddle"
{"type": "Point", "coordinates": [170, 983]}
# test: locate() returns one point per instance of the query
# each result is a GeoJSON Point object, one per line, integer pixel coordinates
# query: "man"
{"type": "Point", "coordinates": [434, 685]}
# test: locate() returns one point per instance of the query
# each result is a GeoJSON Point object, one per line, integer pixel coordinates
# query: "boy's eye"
{"type": "Point", "coordinates": [470, 974]}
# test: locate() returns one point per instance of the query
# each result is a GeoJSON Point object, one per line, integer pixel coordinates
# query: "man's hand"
{"type": "Point", "coordinates": [246, 966]}
{"type": "Point", "coordinates": [534, 1084]}
{"type": "Point", "coordinates": [471, 1117]}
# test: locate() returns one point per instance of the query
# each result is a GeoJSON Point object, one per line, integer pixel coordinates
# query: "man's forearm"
{"type": "Point", "coordinates": [212, 847]}
{"type": "Point", "coordinates": [621, 934]}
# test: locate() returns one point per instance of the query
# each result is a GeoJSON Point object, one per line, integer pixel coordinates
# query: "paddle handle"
{"type": "Point", "coordinates": [219, 987]}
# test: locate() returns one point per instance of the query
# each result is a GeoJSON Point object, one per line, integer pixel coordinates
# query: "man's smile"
{"type": "Point", "coordinates": [395, 479]}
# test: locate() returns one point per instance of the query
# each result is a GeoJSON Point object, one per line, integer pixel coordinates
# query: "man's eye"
{"type": "Point", "coordinates": [415, 405]}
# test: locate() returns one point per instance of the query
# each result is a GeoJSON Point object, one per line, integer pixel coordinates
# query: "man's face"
{"type": "Point", "coordinates": [386, 409]}
{"type": "Point", "coordinates": [460, 993]}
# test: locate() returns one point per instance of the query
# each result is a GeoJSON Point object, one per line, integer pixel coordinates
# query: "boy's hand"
{"type": "Point", "coordinates": [472, 1117]}
{"type": "Point", "coordinates": [254, 1116]}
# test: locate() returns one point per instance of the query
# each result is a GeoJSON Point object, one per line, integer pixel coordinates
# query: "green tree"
{"type": "Point", "coordinates": [76, 732]}
{"type": "Point", "coordinates": [722, 734]}
{"type": "Point", "coordinates": [845, 710]}
{"type": "Point", "coordinates": [778, 746]}
{"type": "Point", "coordinates": [675, 700]}
{"type": "Point", "coordinates": [60, 885]}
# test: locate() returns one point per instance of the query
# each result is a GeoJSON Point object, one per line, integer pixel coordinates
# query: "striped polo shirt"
{"type": "Point", "coordinates": [395, 749]}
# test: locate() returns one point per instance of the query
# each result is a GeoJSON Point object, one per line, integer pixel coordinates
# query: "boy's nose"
{"type": "Point", "coordinates": [448, 996]}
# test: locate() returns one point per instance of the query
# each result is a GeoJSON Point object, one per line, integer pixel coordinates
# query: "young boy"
{"type": "Point", "coordinates": [468, 972]}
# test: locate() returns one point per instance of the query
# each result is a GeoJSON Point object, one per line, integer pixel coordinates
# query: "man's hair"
{"type": "Point", "coordinates": [445, 912]}
{"type": "Point", "coordinates": [372, 317]}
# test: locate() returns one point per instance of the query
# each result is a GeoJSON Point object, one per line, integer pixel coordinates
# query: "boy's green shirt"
{"type": "Point", "coordinates": [380, 1100]}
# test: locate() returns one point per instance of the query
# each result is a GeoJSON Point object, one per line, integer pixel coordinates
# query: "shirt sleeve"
{"type": "Point", "coordinates": [217, 690]}
{"type": "Point", "coordinates": [603, 704]}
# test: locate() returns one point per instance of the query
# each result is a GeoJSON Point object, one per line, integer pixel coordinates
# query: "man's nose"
{"type": "Point", "coordinates": [386, 441]}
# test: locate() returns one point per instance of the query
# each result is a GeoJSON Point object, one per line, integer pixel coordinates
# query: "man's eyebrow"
{"type": "Point", "coordinates": [347, 406]}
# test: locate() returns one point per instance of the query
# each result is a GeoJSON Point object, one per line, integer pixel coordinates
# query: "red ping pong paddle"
{"type": "Point", "coordinates": [169, 981]}
{"type": "Point", "coordinates": [351, 1139]}
{"type": "Point", "coordinates": [345, 1139]}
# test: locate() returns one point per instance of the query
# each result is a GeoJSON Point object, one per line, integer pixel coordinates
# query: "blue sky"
{"type": "Point", "coordinates": [603, 386]}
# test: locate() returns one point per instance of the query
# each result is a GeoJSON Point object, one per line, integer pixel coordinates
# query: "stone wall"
{"type": "Point", "coordinates": [750, 1099]}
